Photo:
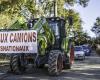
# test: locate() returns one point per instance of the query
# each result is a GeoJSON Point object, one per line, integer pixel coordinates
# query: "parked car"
{"type": "Point", "coordinates": [87, 50]}
{"type": "Point", "coordinates": [79, 53]}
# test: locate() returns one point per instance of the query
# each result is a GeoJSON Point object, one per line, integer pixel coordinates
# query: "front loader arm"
{"type": "Point", "coordinates": [19, 24]}
{"type": "Point", "coordinates": [45, 35]}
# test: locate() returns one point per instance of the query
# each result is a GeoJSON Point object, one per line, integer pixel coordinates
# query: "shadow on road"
{"type": "Point", "coordinates": [89, 69]}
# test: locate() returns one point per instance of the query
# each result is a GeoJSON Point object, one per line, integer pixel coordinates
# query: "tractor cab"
{"type": "Point", "coordinates": [57, 25]}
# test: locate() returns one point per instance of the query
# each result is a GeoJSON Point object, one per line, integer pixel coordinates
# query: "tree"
{"type": "Point", "coordinates": [96, 30]}
{"type": "Point", "coordinates": [82, 38]}
{"type": "Point", "coordinates": [96, 27]}
{"type": "Point", "coordinates": [48, 6]}
{"type": "Point", "coordinates": [14, 6]}
{"type": "Point", "coordinates": [97, 23]}
{"type": "Point", "coordinates": [10, 9]}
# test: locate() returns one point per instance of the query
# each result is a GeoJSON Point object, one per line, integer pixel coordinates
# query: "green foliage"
{"type": "Point", "coordinates": [10, 9]}
{"type": "Point", "coordinates": [19, 24]}
{"type": "Point", "coordinates": [96, 27]}
{"type": "Point", "coordinates": [83, 3]}
{"type": "Point", "coordinates": [14, 6]}
{"type": "Point", "coordinates": [48, 5]}
{"type": "Point", "coordinates": [97, 23]}
{"type": "Point", "coordinates": [82, 38]}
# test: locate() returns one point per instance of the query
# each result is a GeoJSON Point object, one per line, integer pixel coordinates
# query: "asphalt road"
{"type": "Point", "coordinates": [89, 69]}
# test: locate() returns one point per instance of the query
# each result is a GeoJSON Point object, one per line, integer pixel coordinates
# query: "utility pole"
{"type": "Point", "coordinates": [55, 8]}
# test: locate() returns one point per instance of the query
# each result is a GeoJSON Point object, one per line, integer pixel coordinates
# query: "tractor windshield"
{"type": "Point", "coordinates": [55, 28]}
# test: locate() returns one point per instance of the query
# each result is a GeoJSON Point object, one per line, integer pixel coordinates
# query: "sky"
{"type": "Point", "coordinates": [89, 15]}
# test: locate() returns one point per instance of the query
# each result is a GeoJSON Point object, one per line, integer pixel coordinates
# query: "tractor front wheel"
{"type": "Point", "coordinates": [17, 63]}
{"type": "Point", "coordinates": [55, 62]}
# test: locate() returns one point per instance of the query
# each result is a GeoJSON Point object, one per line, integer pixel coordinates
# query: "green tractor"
{"type": "Point", "coordinates": [54, 47]}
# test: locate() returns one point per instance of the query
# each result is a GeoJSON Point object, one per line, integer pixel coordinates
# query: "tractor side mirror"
{"type": "Point", "coordinates": [70, 20]}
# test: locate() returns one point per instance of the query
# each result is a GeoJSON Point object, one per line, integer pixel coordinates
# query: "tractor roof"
{"type": "Point", "coordinates": [52, 19]}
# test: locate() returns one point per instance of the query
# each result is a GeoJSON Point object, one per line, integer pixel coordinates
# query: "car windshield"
{"type": "Point", "coordinates": [78, 48]}
{"type": "Point", "coordinates": [84, 47]}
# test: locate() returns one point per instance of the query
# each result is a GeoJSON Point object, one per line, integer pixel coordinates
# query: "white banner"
{"type": "Point", "coordinates": [18, 41]}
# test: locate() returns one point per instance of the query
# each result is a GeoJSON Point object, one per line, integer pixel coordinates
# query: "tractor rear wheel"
{"type": "Point", "coordinates": [55, 62]}
{"type": "Point", "coordinates": [17, 63]}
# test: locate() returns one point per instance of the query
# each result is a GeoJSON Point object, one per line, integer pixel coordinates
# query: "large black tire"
{"type": "Point", "coordinates": [17, 64]}
{"type": "Point", "coordinates": [55, 62]}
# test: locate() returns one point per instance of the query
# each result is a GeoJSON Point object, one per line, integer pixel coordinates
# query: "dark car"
{"type": "Point", "coordinates": [87, 50]}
